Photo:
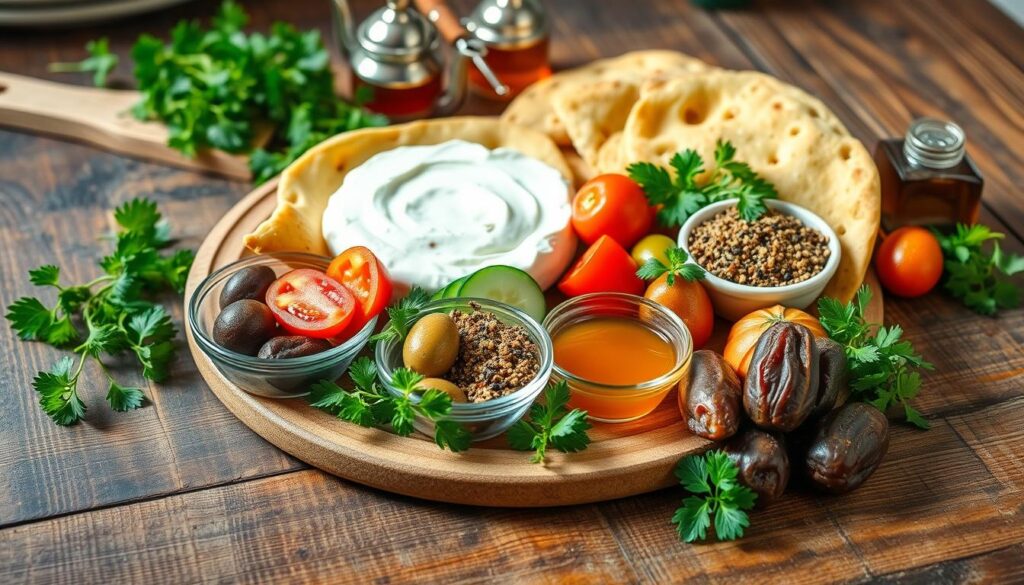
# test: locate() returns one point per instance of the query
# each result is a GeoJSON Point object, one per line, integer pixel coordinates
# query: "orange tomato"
{"type": "Point", "coordinates": [690, 301]}
{"type": "Point", "coordinates": [611, 205]}
{"type": "Point", "coordinates": [909, 262]}
{"type": "Point", "coordinates": [743, 336]}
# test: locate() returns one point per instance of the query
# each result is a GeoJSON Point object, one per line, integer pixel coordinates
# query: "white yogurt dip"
{"type": "Point", "coordinates": [436, 213]}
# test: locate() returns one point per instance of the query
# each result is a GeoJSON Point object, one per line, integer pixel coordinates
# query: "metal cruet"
{"type": "Point", "coordinates": [396, 48]}
{"type": "Point", "coordinates": [508, 24]}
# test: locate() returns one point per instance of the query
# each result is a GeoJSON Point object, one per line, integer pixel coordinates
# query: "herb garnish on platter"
{"type": "Point", "coordinates": [680, 197]}
{"type": "Point", "coordinates": [401, 314]}
{"type": "Point", "coordinates": [883, 369]}
{"type": "Point", "coordinates": [551, 423]}
{"type": "Point", "coordinates": [370, 405]}
{"type": "Point", "coordinates": [677, 267]}
{"type": "Point", "coordinates": [716, 495]}
{"type": "Point", "coordinates": [982, 281]}
{"type": "Point", "coordinates": [116, 316]}
{"type": "Point", "coordinates": [219, 87]}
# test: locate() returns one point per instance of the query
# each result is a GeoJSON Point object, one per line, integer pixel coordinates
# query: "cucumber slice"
{"type": "Point", "coordinates": [507, 285]}
{"type": "Point", "coordinates": [453, 289]}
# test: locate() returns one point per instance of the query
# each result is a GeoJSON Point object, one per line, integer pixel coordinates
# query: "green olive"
{"type": "Point", "coordinates": [432, 345]}
{"type": "Point", "coordinates": [444, 386]}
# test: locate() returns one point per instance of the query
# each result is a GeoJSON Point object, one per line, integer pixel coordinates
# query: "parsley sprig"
{"type": "Point", "coordinates": [369, 404]}
{"type": "Point", "coordinates": [677, 267]}
{"type": "Point", "coordinates": [716, 494]}
{"type": "Point", "coordinates": [679, 198]}
{"type": "Point", "coordinates": [551, 423]}
{"type": "Point", "coordinates": [883, 369]}
{"type": "Point", "coordinates": [100, 62]}
{"type": "Point", "coordinates": [112, 309]}
{"type": "Point", "coordinates": [982, 280]}
{"type": "Point", "coordinates": [221, 87]}
{"type": "Point", "coordinates": [401, 314]}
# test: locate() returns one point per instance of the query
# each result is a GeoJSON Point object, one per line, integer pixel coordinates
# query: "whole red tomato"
{"type": "Point", "coordinates": [909, 262]}
{"type": "Point", "coordinates": [611, 205]}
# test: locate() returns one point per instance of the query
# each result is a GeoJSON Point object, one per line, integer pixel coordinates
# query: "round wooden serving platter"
{"type": "Point", "coordinates": [623, 459]}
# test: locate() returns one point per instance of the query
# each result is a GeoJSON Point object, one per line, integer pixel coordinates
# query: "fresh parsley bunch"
{"type": "Point", "coordinates": [883, 369]}
{"type": "Point", "coordinates": [677, 199]}
{"type": "Point", "coordinates": [551, 423]}
{"type": "Point", "coordinates": [369, 404]}
{"type": "Point", "coordinates": [982, 280]}
{"type": "Point", "coordinates": [221, 87]}
{"type": "Point", "coordinates": [716, 494]}
{"type": "Point", "coordinates": [677, 267]}
{"type": "Point", "coordinates": [115, 315]}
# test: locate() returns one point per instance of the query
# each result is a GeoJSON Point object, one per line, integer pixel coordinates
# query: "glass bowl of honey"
{"type": "Point", "coordinates": [620, 354]}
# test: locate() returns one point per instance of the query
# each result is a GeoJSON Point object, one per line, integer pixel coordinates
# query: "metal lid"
{"type": "Point", "coordinates": [933, 143]}
{"type": "Point", "coordinates": [507, 22]}
{"type": "Point", "coordinates": [396, 30]}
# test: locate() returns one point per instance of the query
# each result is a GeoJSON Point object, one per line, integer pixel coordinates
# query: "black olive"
{"type": "Point", "coordinates": [248, 283]}
{"type": "Point", "coordinates": [292, 346]}
{"type": "Point", "coordinates": [244, 326]}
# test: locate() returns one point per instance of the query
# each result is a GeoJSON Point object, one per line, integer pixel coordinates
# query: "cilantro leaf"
{"type": "Point", "coordinates": [401, 314]}
{"type": "Point", "coordinates": [550, 423]}
{"type": "Point", "coordinates": [29, 318]}
{"type": "Point", "coordinates": [452, 436]}
{"type": "Point", "coordinates": [48, 275]}
{"type": "Point", "coordinates": [100, 62]}
{"type": "Point", "coordinates": [679, 198]}
{"type": "Point", "coordinates": [716, 496]}
{"type": "Point", "coordinates": [363, 372]}
{"type": "Point", "coordinates": [58, 393]}
{"type": "Point", "coordinates": [678, 267]}
{"type": "Point", "coordinates": [983, 281]}
{"type": "Point", "coordinates": [123, 398]}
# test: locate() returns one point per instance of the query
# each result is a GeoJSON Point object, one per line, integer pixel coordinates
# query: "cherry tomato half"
{"type": "Point", "coordinates": [363, 274]}
{"type": "Point", "coordinates": [604, 267]}
{"type": "Point", "coordinates": [308, 302]}
{"type": "Point", "coordinates": [909, 262]}
{"type": "Point", "coordinates": [611, 205]}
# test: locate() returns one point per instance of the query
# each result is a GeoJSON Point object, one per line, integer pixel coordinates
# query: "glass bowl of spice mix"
{"type": "Point", "coordinates": [492, 358]}
{"type": "Point", "coordinates": [785, 257]}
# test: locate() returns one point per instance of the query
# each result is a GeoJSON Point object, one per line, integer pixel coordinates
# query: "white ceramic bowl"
{"type": "Point", "coordinates": [732, 300]}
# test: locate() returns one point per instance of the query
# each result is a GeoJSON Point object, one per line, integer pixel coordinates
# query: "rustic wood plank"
{"type": "Point", "coordinates": [306, 526]}
{"type": "Point", "coordinates": [54, 202]}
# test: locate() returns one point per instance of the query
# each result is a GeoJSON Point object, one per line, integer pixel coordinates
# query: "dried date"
{"type": "Point", "coordinates": [847, 448]}
{"type": "Point", "coordinates": [781, 386]}
{"type": "Point", "coordinates": [292, 346]}
{"type": "Point", "coordinates": [709, 398]}
{"type": "Point", "coordinates": [762, 462]}
{"type": "Point", "coordinates": [833, 377]}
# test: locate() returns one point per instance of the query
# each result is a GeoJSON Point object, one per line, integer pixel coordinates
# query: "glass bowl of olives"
{"type": "Point", "coordinates": [490, 405]}
{"type": "Point", "coordinates": [232, 325]}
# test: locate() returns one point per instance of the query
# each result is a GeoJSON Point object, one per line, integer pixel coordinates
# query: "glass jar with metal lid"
{"type": "Point", "coordinates": [516, 34]}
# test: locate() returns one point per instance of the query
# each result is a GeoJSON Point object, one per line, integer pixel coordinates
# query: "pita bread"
{"type": "Point", "coordinates": [306, 185]}
{"type": "Point", "coordinates": [534, 107]}
{"type": "Point", "coordinates": [785, 135]}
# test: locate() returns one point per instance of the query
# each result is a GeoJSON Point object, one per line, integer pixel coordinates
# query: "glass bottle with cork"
{"type": "Point", "coordinates": [927, 178]}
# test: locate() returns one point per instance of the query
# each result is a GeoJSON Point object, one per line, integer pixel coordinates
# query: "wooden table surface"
{"type": "Point", "coordinates": [181, 491]}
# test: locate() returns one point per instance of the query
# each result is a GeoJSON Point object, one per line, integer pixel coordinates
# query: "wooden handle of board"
{"type": "Point", "coordinates": [442, 16]}
{"type": "Point", "coordinates": [101, 117]}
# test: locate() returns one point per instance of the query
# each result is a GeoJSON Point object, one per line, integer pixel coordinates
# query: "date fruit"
{"type": "Point", "coordinates": [762, 462]}
{"type": "Point", "coordinates": [709, 398]}
{"type": "Point", "coordinates": [244, 326]}
{"type": "Point", "coordinates": [283, 347]}
{"type": "Point", "coordinates": [781, 386]}
{"type": "Point", "coordinates": [251, 283]}
{"type": "Point", "coordinates": [848, 446]}
{"type": "Point", "coordinates": [832, 377]}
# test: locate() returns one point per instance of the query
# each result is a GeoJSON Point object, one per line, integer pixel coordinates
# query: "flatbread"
{"type": "Point", "coordinates": [306, 185]}
{"type": "Point", "coordinates": [785, 135]}
{"type": "Point", "coordinates": [533, 108]}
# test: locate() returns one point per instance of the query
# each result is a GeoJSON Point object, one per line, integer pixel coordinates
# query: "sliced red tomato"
{"type": "Point", "coordinates": [363, 274]}
{"type": "Point", "coordinates": [604, 267]}
{"type": "Point", "coordinates": [308, 302]}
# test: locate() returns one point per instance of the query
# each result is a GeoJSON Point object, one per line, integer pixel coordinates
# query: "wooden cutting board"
{"type": "Point", "coordinates": [623, 459]}
{"type": "Point", "coordinates": [103, 118]}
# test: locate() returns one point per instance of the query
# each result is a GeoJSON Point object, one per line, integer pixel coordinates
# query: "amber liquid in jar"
{"type": "Point", "coordinates": [938, 186]}
{"type": "Point", "coordinates": [403, 102]}
{"type": "Point", "coordinates": [516, 67]}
